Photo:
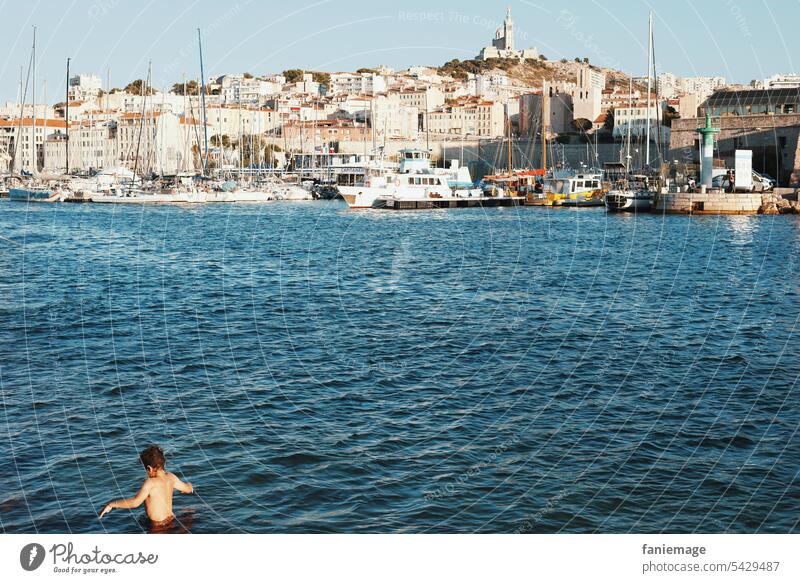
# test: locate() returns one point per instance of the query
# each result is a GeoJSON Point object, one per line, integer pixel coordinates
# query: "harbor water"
{"type": "Point", "coordinates": [314, 369]}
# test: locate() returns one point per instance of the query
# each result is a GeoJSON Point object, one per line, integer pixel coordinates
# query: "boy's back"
{"type": "Point", "coordinates": [159, 501]}
{"type": "Point", "coordinates": [156, 491]}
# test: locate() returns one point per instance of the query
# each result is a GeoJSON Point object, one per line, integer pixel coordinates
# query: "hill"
{"type": "Point", "coordinates": [530, 73]}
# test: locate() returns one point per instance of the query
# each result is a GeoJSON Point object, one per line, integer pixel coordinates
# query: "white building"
{"type": "Point", "coordinates": [92, 146]}
{"type": "Point", "coordinates": [161, 142]}
{"type": "Point", "coordinates": [307, 86]}
{"type": "Point", "coordinates": [17, 139]}
{"type": "Point", "coordinates": [428, 98]}
{"type": "Point", "coordinates": [248, 90]}
{"type": "Point", "coordinates": [84, 87]}
{"type": "Point", "coordinates": [781, 81]}
{"type": "Point", "coordinates": [357, 83]}
{"type": "Point", "coordinates": [503, 44]}
{"type": "Point", "coordinates": [636, 117]}
{"type": "Point", "coordinates": [393, 118]}
{"type": "Point", "coordinates": [704, 86]}
{"type": "Point", "coordinates": [471, 117]}
{"type": "Point", "coordinates": [232, 120]}
{"type": "Point", "coordinates": [488, 86]}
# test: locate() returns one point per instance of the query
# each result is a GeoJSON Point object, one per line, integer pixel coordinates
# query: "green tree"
{"type": "Point", "coordinates": [581, 124]}
{"type": "Point", "coordinates": [226, 140]}
{"type": "Point", "coordinates": [248, 75]}
{"type": "Point", "coordinates": [136, 87]}
{"type": "Point", "coordinates": [191, 88]}
{"type": "Point", "coordinates": [322, 78]}
{"type": "Point", "coordinates": [293, 75]}
{"type": "Point", "coordinates": [608, 124]}
{"type": "Point", "coordinates": [669, 114]}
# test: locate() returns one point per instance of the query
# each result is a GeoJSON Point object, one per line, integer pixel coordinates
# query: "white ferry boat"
{"type": "Point", "coordinates": [416, 185]}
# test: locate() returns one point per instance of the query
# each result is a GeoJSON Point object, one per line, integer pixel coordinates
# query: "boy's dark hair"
{"type": "Point", "coordinates": [153, 456]}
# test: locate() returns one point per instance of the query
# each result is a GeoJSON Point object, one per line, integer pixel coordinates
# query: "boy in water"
{"type": "Point", "coordinates": [156, 491]}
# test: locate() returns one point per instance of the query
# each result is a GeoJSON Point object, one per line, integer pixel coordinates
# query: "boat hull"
{"type": "Point", "coordinates": [627, 201]}
{"type": "Point", "coordinates": [147, 198]}
{"type": "Point", "coordinates": [33, 195]}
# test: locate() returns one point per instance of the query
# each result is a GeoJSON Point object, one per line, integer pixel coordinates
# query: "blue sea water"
{"type": "Point", "coordinates": [314, 369]}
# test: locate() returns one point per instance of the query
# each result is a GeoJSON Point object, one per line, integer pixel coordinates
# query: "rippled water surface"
{"type": "Point", "coordinates": [314, 369]}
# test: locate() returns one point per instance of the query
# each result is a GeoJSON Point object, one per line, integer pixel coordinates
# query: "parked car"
{"type": "Point", "coordinates": [768, 181]}
{"type": "Point", "coordinates": [760, 182]}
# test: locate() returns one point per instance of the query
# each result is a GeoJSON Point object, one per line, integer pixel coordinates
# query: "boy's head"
{"type": "Point", "coordinates": [152, 458]}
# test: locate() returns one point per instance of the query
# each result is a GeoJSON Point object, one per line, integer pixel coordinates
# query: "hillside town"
{"type": "Point", "coordinates": [297, 118]}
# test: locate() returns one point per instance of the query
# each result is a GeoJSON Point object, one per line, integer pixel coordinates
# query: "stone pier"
{"type": "Point", "coordinates": [709, 203]}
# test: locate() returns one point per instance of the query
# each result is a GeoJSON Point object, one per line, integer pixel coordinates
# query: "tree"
{"type": "Point", "coordinates": [669, 114]}
{"type": "Point", "coordinates": [365, 70]}
{"type": "Point", "coordinates": [248, 75]}
{"type": "Point", "coordinates": [293, 75]}
{"type": "Point", "coordinates": [608, 124]}
{"type": "Point", "coordinates": [191, 88]}
{"type": "Point", "coordinates": [582, 125]}
{"type": "Point", "coordinates": [136, 87]}
{"type": "Point", "coordinates": [542, 58]}
{"type": "Point", "coordinates": [322, 78]}
{"type": "Point", "coordinates": [226, 141]}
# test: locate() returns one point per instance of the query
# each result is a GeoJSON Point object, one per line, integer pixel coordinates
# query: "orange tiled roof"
{"type": "Point", "coordinates": [27, 122]}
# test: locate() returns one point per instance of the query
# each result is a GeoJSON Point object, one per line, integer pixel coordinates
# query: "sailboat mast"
{"type": "Point", "coordinates": [66, 120]}
{"type": "Point", "coordinates": [649, 79]}
{"type": "Point", "coordinates": [628, 134]}
{"type": "Point", "coordinates": [203, 99]}
{"type": "Point", "coordinates": [508, 133]}
{"type": "Point", "coordinates": [33, 105]}
{"type": "Point", "coordinates": [544, 127]}
{"type": "Point", "coordinates": [44, 128]}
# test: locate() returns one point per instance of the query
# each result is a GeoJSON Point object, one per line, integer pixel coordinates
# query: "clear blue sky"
{"type": "Point", "coordinates": [738, 39]}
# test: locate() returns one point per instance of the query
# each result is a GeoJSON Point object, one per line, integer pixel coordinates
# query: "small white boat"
{"type": "Point", "coordinates": [122, 196]}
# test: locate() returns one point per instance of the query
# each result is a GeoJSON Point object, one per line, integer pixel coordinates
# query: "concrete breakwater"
{"type": "Point", "coordinates": [711, 202]}
{"type": "Point", "coordinates": [725, 203]}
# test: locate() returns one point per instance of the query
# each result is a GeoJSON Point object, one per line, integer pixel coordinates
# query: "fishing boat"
{"type": "Point", "coordinates": [578, 190]}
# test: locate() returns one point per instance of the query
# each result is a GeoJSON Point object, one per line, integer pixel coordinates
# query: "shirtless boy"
{"type": "Point", "coordinates": [156, 491]}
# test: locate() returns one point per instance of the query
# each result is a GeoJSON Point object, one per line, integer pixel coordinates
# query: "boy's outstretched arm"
{"type": "Point", "coordinates": [184, 487]}
{"type": "Point", "coordinates": [134, 502]}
